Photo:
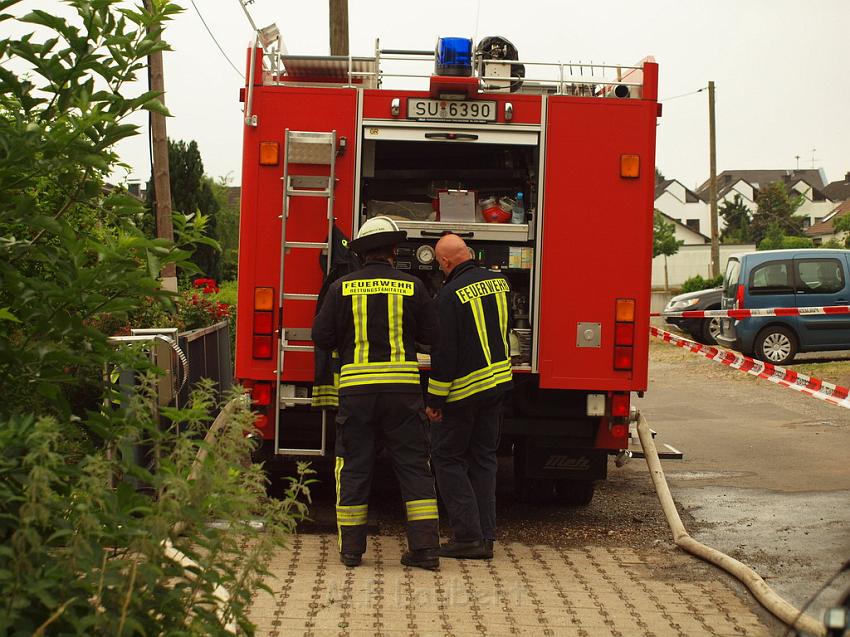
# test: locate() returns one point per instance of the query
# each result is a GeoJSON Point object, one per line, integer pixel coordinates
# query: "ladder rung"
{"type": "Point", "coordinates": [305, 244]}
{"type": "Point", "coordinates": [297, 348]}
{"type": "Point", "coordinates": [296, 401]}
{"type": "Point", "coordinates": [300, 297]}
{"type": "Point", "coordinates": [292, 192]}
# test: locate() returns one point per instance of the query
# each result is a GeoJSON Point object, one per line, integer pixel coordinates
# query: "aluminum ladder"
{"type": "Point", "coordinates": [315, 148]}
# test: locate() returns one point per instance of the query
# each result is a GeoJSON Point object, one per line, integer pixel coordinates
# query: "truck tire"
{"type": "Point", "coordinates": [535, 490]}
{"type": "Point", "coordinates": [776, 345]}
{"type": "Point", "coordinates": [574, 493]}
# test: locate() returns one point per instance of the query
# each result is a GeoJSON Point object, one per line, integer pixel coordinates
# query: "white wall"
{"type": "Point", "coordinates": [691, 260]}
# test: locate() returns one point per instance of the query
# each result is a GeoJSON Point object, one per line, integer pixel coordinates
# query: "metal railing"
{"type": "Point", "coordinates": [208, 352]}
{"type": "Point", "coordinates": [561, 78]}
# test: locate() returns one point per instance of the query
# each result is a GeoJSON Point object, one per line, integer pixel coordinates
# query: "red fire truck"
{"type": "Point", "coordinates": [328, 142]}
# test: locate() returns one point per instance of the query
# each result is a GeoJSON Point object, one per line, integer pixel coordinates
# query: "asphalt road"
{"type": "Point", "coordinates": [766, 476]}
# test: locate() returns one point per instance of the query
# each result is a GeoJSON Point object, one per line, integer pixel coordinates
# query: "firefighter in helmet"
{"type": "Point", "coordinates": [470, 372]}
{"type": "Point", "coordinates": [373, 317]}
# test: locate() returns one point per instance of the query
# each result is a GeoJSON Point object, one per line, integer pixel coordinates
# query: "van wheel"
{"type": "Point", "coordinates": [776, 345]}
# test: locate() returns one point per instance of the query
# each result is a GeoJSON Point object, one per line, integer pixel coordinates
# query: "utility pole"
{"type": "Point", "coordinates": [712, 186]}
{"type": "Point", "coordinates": [338, 13]}
{"type": "Point", "coordinates": [161, 178]}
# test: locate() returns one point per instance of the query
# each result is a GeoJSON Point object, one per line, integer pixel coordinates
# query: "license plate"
{"type": "Point", "coordinates": [451, 110]}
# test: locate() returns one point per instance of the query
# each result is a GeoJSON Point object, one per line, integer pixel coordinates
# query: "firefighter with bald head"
{"type": "Point", "coordinates": [373, 317]}
{"type": "Point", "coordinates": [470, 372]}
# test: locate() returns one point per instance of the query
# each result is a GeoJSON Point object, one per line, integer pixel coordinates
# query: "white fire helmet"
{"type": "Point", "coordinates": [377, 232]}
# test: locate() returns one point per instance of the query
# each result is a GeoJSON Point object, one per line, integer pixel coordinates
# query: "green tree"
{"type": "Point", "coordinates": [664, 241]}
{"type": "Point", "coordinates": [659, 176]}
{"type": "Point", "coordinates": [776, 207]}
{"type": "Point", "coordinates": [192, 192]}
{"type": "Point", "coordinates": [664, 237]}
{"type": "Point", "coordinates": [89, 538]}
{"type": "Point", "coordinates": [737, 221]}
{"type": "Point", "coordinates": [776, 239]}
{"type": "Point", "coordinates": [227, 227]}
{"type": "Point", "coordinates": [842, 224]}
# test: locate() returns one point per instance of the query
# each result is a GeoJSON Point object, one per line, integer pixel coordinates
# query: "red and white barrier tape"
{"type": "Point", "coordinates": [814, 387]}
{"type": "Point", "coordinates": [767, 311]}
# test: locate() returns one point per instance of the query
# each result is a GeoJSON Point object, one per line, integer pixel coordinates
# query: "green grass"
{"type": "Point", "coordinates": [227, 292]}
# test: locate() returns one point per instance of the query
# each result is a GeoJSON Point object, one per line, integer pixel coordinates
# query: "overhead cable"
{"type": "Point", "coordinates": [206, 26]}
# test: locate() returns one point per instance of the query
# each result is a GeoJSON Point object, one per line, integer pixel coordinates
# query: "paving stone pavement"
{"type": "Point", "coordinates": [525, 590]}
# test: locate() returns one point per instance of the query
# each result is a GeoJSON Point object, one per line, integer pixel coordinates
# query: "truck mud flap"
{"type": "Point", "coordinates": [539, 461]}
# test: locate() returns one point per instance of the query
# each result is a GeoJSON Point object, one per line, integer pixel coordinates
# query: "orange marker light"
{"type": "Point", "coordinates": [264, 299]}
{"type": "Point", "coordinates": [630, 166]}
{"type": "Point", "coordinates": [269, 153]}
{"type": "Point", "coordinates": [625, 310]}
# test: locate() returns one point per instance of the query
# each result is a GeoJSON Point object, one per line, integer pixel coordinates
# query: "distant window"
{"type": "Point", "coordinates": [818, 219]}
{"type": "Point", "coordinates": [820, 276]}
{"type": "Point", "coordinates": [771, 278]}
{"type": "Point", "coordinates": [807, 222]}
{"type": "Point", "coordinates": [693, 224]}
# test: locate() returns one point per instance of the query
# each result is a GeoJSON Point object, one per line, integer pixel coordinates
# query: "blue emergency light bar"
{"type": "Point", "coordinates": [454, 57]}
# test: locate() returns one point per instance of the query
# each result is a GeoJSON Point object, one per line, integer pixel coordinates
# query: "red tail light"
{"type": "Point", "coordinates": [739, 298]}
{"type": "Point", "coordinates": [262, 346]}
{"type": "Point", "coordinates": [262, 394]}
{"type": "Point", "coordinates": [263, 323]}
{"type": "Point", "coordinates": [624, 334]}
{"type": "Point", "coordinates": [619, 430]}
{"type": "Point", "coordinates": [620, 405]}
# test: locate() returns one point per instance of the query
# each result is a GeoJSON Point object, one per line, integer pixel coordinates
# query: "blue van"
{"type": "Point", "coordinates": [786, 278]}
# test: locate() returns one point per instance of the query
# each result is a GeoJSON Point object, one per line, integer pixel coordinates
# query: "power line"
{"type": "Point", "coordinates": [675, 97]}
{"type": "Point", "coordinates": [206, 26]}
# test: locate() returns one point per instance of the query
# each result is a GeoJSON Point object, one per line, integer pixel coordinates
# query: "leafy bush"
{"type": "Point", "coordinates": [87, 534]}
{"type": "Point", "coordinates": [94, 547]}
{"type": "Point", "coordinates": [696, 283]}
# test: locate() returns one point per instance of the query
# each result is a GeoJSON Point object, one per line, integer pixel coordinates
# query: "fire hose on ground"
{"type": "Point", "coordinates": [780, 608]}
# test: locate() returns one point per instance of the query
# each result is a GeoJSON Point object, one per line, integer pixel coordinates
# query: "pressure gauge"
{"type": "Point", "coordinates": [425, 254]}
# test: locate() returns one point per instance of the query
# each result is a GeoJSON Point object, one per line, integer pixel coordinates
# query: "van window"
{"type": "Point", "coordinates": [820, 276]}
{"type": "Point", "coordinates": [771, 278]}
{"type": "Point", "coordinates": [730, 279]}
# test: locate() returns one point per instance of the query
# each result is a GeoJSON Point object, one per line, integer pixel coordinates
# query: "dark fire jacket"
{"type": "Point", "coordinates": [472, 358]}
{"type": "Point", "coordinates": [373, 318]}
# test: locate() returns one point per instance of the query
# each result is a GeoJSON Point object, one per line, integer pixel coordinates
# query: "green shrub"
{"type": "Point", "coordinates": [85, 530]}
{"type": "Point", "coordinates": [91, 547]}
{"type": "Point", "coordinates": [696, 283]}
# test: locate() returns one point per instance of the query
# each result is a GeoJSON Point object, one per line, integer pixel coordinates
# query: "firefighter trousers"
{"type": "Point", "coordinates": [396, 420]}
{"type": "Point", "coordinates": [463, 453]}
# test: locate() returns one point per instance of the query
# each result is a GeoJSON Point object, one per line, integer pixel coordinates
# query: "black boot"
{"type": "Point", "coordinates": [475, 550]}
{"type": "Point", "coordinates": [422, 558]}
{"type": "Point", "coordinates": [350, 559]}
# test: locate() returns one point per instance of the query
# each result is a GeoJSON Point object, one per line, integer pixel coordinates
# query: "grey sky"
{"type": "Point", "coordinates": [779, 65]}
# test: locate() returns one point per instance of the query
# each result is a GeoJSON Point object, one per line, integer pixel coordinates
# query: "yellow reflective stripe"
{"type": "Point", "coordinates": [423, 516]}
{"type": "Point", "coordinates": [437, 388]}
{"type": "Point", "coordinates": [414, 503]}
{"type": "Point", "coordinates": [325, 401]}
{"type": "Point", "coordinates": [422, 509]}
{"type": "Point", "coordinates": [481, 326]}
{"type": "Point", "coordinates": [495, 368]}
{"type": "Point", "coordinates": [337, 471]}
{"type": "Point", "coordinates": [379, 379]}
{"type": "Point", "coordinates": [352, 515]}
{"type": "Point", "coordinates": [361, 333]}
{"type": "Point", "coordinates": [380, 366]}
{"type": "Point", "coordinates": [395, 310]}
{"type": "Point", "coordinates": [502, 305]}
{"type": "Point", "coordinates": [480, 385]}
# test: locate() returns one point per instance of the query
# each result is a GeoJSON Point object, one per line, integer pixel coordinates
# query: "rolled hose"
{"type": "Point", "coordinates": [780, 608]}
